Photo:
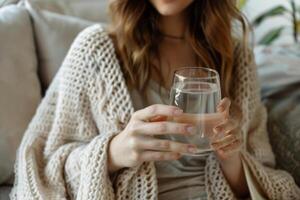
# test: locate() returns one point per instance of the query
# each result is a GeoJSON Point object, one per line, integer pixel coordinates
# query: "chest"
{"type": "Point", "coordinates": [171, 57]}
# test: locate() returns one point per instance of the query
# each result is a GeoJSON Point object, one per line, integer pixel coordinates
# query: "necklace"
{"type": "Point", "coordinates": [173, 37]}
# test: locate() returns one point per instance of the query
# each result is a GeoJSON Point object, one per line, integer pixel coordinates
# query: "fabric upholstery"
{"type": "Point", "coordinates": [54, 33]}
{"type": "Point", "coordinates": [92, 10]}
{"type": "Point", "coordinates": [284, 128]}
{"type": "Point", "coordinates": [4, 192]}
{"type": "Point", "coordinates": [19, 84]}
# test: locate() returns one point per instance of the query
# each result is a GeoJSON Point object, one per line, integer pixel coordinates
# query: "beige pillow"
{"type": "Point", "coordinates": [93, 10]}
{"type": "Point", "coordinates": [54, 35]}
{"type": "Point", "coordinates": [19, 85]}
{"type": "Point", "coordinates": [7, 2]}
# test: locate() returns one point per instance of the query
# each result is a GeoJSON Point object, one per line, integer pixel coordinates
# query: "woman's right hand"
{"type": "Point", "coordinates": [136, 144]}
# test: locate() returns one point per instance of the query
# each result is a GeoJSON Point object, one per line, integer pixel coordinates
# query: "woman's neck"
{"type": "Point", "coordinates": [173, 25]}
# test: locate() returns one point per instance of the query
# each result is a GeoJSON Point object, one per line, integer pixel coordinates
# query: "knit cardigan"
{"type": "Point", "coordinates": [63, 154]}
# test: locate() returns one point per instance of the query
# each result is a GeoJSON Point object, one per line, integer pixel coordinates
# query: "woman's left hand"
{"type": "Point", "coordinates": [229, 140]}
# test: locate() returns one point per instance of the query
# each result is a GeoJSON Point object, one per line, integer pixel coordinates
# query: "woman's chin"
{"type": "Point", "coordinates": [171, 7]}
{"type": "Point", "coordinates": [169, 11]}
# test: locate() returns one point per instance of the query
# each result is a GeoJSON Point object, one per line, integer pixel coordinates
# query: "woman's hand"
{"type": "Point", "coordinates": [136, 144]}
{"type": "Point", "coordinates": [229, 140]}
{"type": "Point", "coordinates": [228, 150]}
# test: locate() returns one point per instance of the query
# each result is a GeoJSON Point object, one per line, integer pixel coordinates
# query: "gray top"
{"type": "Point", "coordinates": [182, 179]}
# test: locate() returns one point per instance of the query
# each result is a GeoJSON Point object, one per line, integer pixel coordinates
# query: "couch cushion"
{"type": "Point", "coordinates": [93, 10]}
{"type": "Point", "coordinates": [4, 192]}
{"type": "Point", "coordinates": [8, 2]}
{"type": "Point", "coordinates": [54, 34]}
{"type": "Point", "coordinates": [19, 85]}
{"type": "Point", "coordinates": [284, 128]}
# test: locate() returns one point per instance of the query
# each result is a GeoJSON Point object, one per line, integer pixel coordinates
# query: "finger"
{"type": "Point", "coordinates": [227, 140]}
{"type": "Point", "coordinates": [158, 156]}
{"type": "Point", "coordinates": [158, 118]}
{"type": "Point", "coordinates": [234, 147]}
{"type": "Point", "coordinates": [166, 145]}
{"type": "Point", "coordinates": [224, 105]}
{"type": "Point", "coordinates": [161, 128]}
{"type": "Point", "coordinates": [226, 127]}
{"type": "Point", "coordinates": [157, 109]}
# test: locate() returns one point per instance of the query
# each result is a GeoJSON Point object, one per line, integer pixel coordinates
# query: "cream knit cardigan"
{"type": "Point", "coordinates": [63, 154]}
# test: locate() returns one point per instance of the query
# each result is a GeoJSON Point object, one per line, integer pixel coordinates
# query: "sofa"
{"type": "Point", "coordinates": [35, 36]}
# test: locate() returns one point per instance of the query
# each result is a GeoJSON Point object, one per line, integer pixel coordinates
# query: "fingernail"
{"type": "Point", "coordinates": [191, 129]}
{"type": "Point", "coordinates": [178, 112]}
{"type": "Point", "coordinates": [192, 149]}
{"type": "Point", "coordinates": [217, 130]}
{"type": "Point", "coordinates": [220, 108]}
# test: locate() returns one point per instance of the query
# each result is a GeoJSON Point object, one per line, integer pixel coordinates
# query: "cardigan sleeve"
{"type": "Point", "coordinates": [63, 151]}
{"type": "Point", "coordinates": [257, 156]}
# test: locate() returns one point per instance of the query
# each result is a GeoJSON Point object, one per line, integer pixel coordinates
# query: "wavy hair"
{"type": "Point", "coordinates": [134, 30]}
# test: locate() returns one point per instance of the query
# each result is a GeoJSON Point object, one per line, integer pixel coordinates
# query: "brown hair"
{"type": "Point", "coordinates": [135, 31]}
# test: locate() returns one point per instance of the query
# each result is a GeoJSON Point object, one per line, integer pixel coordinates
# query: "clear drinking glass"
{"type": "Point", "coordinates": [196, 90]}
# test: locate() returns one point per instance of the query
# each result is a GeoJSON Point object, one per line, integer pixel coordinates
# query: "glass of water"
{"type": "Point", "coordinates": [197, 92]}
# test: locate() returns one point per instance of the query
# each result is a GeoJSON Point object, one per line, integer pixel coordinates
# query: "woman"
{"type": "Point", "coordinates": [93, 136]}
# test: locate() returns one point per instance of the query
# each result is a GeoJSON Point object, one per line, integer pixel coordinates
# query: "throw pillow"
{"type": "Point", "coordinates": [54, 35]}
{"type": "Point", "coordinates": [19, 84]}
{"type": "Point", "coordinates": [92, 10]}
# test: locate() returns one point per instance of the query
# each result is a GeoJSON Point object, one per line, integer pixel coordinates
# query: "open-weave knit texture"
{"type": "Point", "coordinates": [63, 154]}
